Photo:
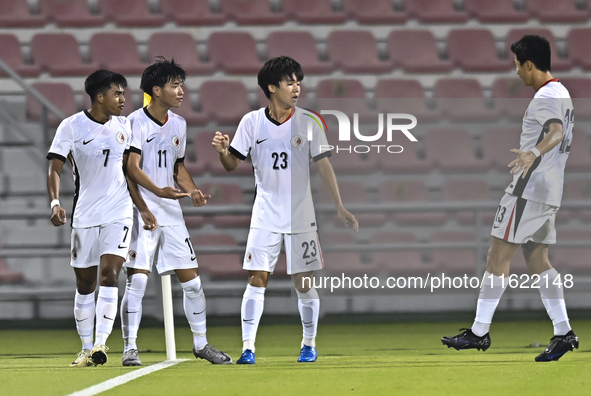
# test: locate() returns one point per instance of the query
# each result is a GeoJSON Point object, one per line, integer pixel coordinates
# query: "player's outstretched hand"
{"type": "Point", "coordinates": [150, 222]}
{"type": "Point", "coordinates": [58, 216]}
{"type": "Point", "coordinates": [172, 193]}
{"type": "Point", "coordinates": [523, 162]}
{"type": "Point", "coordinates": [220, 142]}
{"type": "Point", "coordinates": [347, 218]}
{"type": "Point", "coordinates": [199, 199]}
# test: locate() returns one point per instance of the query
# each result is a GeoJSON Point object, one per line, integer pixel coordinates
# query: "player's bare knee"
{"type": "Point", "coordinates": [303, 282]}
{"type": "Point", "coordinates": [258, 278]}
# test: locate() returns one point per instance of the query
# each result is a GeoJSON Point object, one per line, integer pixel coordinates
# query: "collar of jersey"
{"type": "Point", "coordinates": [274, 121]}
{"type": "Point", "coordinates": [87, 114]}
{"type": "Point", "coordinates": [153, 119]}
{"type": "Point", "coordinates": [549, 81]}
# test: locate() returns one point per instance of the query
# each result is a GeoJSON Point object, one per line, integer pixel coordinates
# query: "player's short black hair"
{"type": "Point", "coordinates": [276, 70]}
{"type": "Point", "coordinates": [159, 73]}
{"type": "Point", "coordinates": [535, 49]}
{"type": "Point", "coordinates": [101, 81]}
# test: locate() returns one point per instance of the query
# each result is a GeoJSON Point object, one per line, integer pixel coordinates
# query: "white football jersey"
{"type": "Point", "coordinates": [161, 147]}
{"type": "Point", "coordinates": [96, 153]}
{"type": "Point", "coordinates": [280, 156]}
{"type": "Point", "coordinates": [545, 179]}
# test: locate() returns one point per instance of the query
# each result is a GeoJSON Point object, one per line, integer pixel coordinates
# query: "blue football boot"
{"type": "Point", "coordinates": [307, 354]}
{"type": "Point", "coordinates": [247, 357]}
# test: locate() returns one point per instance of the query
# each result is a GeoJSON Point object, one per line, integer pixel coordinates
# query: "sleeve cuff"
{"type": "Point", "coordinates": [326, 154]}
{"type": "Point", "coordinates": [236, 153]}
{"type": "Point", "coordinates": [178, 160]}
{"type": "Point", "coordinates": [553, 121]}
{"type": "Point", "coordinates": [135, 150]}
{"type": "Point", "coordinates": [51, 156]}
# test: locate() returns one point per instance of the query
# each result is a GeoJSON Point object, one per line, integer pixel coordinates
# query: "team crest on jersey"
{"type": "Point", "coordinates": [248, 257]}
{"type": "Point", "coordinates": [175, 141]}
{"type": "Point", "coordinates": [120, 137]}
{"type": "Point", "coordinates": [297, 141]}
{"type": "Point", "coordinates": [132, 255]}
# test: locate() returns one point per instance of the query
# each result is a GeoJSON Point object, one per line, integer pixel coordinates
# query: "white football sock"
{"type": "Point", "coordinates": [553, 298]}
{"type": "Point", "coordinates": [194, 305]}
{"type": "Point", "coordinates": [84, 315]}
{"type": "Point", "coordinates": [490, 294]}
{"type": "Point", "coordinates": [106, 310]}
{"type": "Point", "coordinates": [253, 302]}
{"type": "Point", "coordinates": [309, 307]}
{"type": "Point", "coordinates": [131, 308]}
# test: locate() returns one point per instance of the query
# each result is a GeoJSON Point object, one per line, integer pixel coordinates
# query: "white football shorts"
{"type": "Point", "coordinates": [168, 247]}
{"type": "Point", "coordinates": [519, 221]}
{"type": "Point", "coordinates": [89, 244]}
{"type": "Point", "coordinates": [302, 251]}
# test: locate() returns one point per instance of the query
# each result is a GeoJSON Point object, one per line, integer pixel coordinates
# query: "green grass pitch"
{"type": "Point", "coordinates": [361, 359]}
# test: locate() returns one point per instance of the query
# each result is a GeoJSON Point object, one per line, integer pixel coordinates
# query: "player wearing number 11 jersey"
{"type": "Point", "coordinates": [527, 211]}
{"type": "Point", "coordinates": [277, 140]}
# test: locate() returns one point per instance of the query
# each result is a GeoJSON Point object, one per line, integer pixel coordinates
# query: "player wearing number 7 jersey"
{"type": "Point", "coordinates": [277, 140]}
{"type": "Point", "coordinates": [527, 211]}
{"type": "Point", "coordinates": [96, 142]}
{"type": "Point", "coordinates": [158, 138]}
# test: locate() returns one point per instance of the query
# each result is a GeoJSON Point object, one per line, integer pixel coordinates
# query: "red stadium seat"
{"type": "Point", "coordinates": [467, 190]}
{"type": "Point", "coordinates": [190, 12]}
{"type": "Point", "coordinates": [210, 159]}
{"type": "Point", "coordinates": [251, 12]}
{"type": "Point", "coordinates": [373, 12]}
{"type": "Point", "coordinates": [557, 63]}
{"type": "Point", "coordinates": [499, 11]}
{"type": "Point", "coordinates": [453, 260]}
{"type": "Point", "coordinates": [569, 260]}
{"type": "Point", "coordinates": [234, 52]}
{"type": "Point", "coordinates": [462, 99]}
{"type": "Point", "coordinates": [15, 13]}
{"type": "Point", "coordinates": [331, 92]}
{"type": "Point", "coordinates": [440, 142]}
{"type": "Point", "coordinates": [130, 13]}
{"type": "Point", "coordinates": [578, 189]}
{"type": "Point", "coordinates": [355, 51]}
{"type": "Point", "coordinates": [579, 158]}
{"type": "Point", "coordinates": [580, 92]}
{"type": "Point", "coordinates": [352, 192]}
{"type": "Point", "coordinates": [399, 262]}
{"type": "Point", "coordinates": [578, 47]}
{"type": "Point", "coordinates": [406, 161]}
{"type": "Point", "coordinates": [434, 11]}
{"type": "Point", "coordinates": [8, 276]}
{"type": "Point", "coordinates": [511, 97]}
{"type": "Point", "coordinates": [226, 194]}
{"type": "Point", "coordinates": [69, 13]}
{"type": "Point", "coordinates": [226, 265]}
{"type": "Point", "coordinates": [12, 56]}
{"type": "Point", "coordinates": [117, 52]}
{"type": "Point", "coordinates": [550, 11]}
{"type": "Point", "coordinates": [186, 110]}
{"type": "Point", "coordinates": [182, 48]}
{"type": "Point", "coordinates": [416, 51]}
{"type": "Point", "coordinates": [403, 96]}
{"type": "Point", "coordinates": [474, 50]}
{"type": "Point", "coordinates": [60, 94]}
{"type": "Point", "coordinates": [226, 102]}
{"type": "Point", "coordinates": [410, 191]}
{"type": "Point", "coordinates": [312, 11]}
{"type": "Point", "coordinates": [301, 46]}
{"type": "Point", "coordinates": [345, 263]}
{"type": "Point", "coordinates": [496, 146]}
{"type": "Point", "coordinates": [57, 53]}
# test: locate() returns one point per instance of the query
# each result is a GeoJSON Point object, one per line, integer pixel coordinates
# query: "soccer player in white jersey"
{"type": "Point", "coordinates": [159, 138]}
{"type": "Point", "coordinates": [527, 211]}
{"type": "Point", "coordinates": [276, 139]}
{"type": "Point", "coordinates": [96, 143]}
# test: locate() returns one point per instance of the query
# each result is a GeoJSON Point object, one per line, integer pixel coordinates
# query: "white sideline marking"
{"type": "Point", "coordinates": [122, 379]}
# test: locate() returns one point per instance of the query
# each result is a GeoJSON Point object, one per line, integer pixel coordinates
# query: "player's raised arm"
{"type": "Point", "coordinates": [58, 214]}
{"type": "Point", "coordinates": [330, 181]}
{"type": "Point", "coordinates": [137, 175]}
{"type": "Point", "coordinates": [185, 181]}
{"type": "Point", "coordinates": [150, 221]}
{"type": "Point", "coordinates": [221, 144]}
{"type": "Point", "coordinates": [525, 160]}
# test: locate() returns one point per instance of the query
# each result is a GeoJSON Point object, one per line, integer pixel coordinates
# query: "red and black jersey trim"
{"type": "Point", "coordinates": [519, 209]}
{"type": "Point", "coordinates": [522, 182]}
{"type": "Point", "coordinates": [236, 153]}
{"type": "Point", "coordinates": [326, 154]}
{"type": "Point", "coordinates": [92, 118]}
{"type": "Point", "coordinates": [153, 119]}
{"type": "Point", "coordinates": [274, 121]}
{"type": "Point", "coordinates": [76, 187]}
{"type": "Point", "coordinates": [135, 150]}
{"type": "Point", "coordinates": [51, 156]}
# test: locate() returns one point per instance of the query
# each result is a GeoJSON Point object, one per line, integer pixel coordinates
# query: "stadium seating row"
{"type": "Point", "coordinates": [76, 13]}
{"type": "Point", "coordinates": [225, 102]}
{"type": "Point", "coordinates": [352, 51]}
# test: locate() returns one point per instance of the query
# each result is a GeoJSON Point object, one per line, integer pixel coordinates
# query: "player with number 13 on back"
{"type": "Point", "coordinates": [276, 139]}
